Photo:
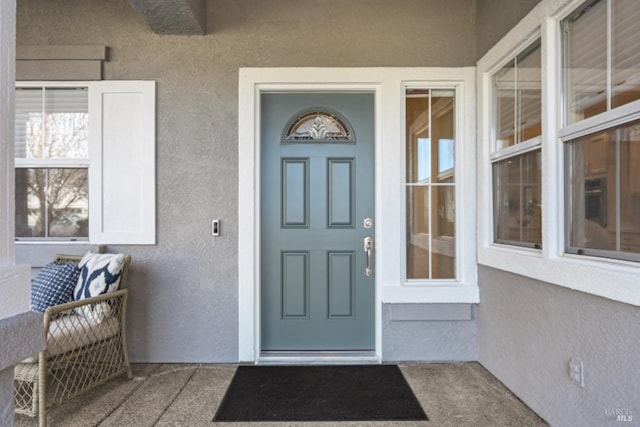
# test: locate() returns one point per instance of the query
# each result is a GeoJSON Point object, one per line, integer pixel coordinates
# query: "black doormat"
{"type": "Point", "coordinates": [319, 393]}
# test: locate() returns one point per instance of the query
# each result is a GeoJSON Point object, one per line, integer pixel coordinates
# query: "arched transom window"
{"type": "Point", "coordinates": [318, 126]}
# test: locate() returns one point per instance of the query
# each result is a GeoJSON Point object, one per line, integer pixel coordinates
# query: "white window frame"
{"type": "Point", "coordinates": [609, 119]}
{"type": "Point", "coordinates": [461, 150]}
{"type": "Point", "coordinates": [518, 148]}
{"type": "Point", "coordinates": [552, 264]}
{"type": "Point", "coordinates": [53, 163]}
{"type": "Point", "coordinates": [121, 187]}
{"type": "Point", "coordinates": [463, 289]}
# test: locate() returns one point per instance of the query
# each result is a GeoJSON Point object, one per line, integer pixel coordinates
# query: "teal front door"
{"type": "Point", "coordinates": [317, 206]}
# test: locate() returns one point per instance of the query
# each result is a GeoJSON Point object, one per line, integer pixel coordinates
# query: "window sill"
{"type": "Point", "coordinates": [607, 278]}
{"type": "Point", "coordinates": [39, 254]}
{"type": "Point", "coordinates": [51, 242]}
{"type": "Point", "coordinates": [431, 293]}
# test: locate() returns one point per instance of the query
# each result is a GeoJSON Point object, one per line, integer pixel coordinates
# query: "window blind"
{"type": "Point", "coordinates": [34, 103]}
{"type": "Point", "coordinates": [588, 59]}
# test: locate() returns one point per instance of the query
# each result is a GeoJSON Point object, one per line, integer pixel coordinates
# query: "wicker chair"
{"type": "Point", "coordinates": [79, 356]}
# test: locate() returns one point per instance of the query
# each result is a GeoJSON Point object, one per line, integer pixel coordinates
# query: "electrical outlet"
{"type": "Point", "coordinates": [576, 371]}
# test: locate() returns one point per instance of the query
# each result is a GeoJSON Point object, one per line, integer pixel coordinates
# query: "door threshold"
{"type": "Point", "coordinates": [318, 358]}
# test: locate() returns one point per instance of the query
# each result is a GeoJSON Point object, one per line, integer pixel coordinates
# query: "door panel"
{"type": "Point", "coordinates": [341, 194]}
{"type": "Point", "coordinates": [341, 284]}
{"type": "Point", "coordinates": [295, 193]}
{"type": "Point", "coordinates": [295, 284]}
{"type": "Point", "coordinates": [315, 195]}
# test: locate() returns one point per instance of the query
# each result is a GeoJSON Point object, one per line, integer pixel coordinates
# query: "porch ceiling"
{"type": "Point", "coordinates": [187, 17]}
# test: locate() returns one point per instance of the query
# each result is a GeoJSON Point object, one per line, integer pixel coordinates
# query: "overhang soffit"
{"type": "Point", "coordinates": [179, 17]}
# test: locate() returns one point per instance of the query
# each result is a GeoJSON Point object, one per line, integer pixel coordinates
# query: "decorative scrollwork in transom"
{"type": "Point", "coordinates": [318, 126]}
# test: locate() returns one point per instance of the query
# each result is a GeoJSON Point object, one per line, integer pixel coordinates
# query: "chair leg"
{"type": "Point", "coordinates": [35, 397]}
{"type": "Point", "coordinates": [123, 336]}
{"type": "Point", "coordinates": [42, 392]}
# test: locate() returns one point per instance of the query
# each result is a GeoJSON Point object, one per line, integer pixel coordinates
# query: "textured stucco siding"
{"type": "Point", "coordinates": [529, 330]}
{"type": "Point", "coordinates": [429, 332]}
{"type": "Point", "coordinates": [183, 17]}
{"type": "Point", "coordinates": [184, 290]}
{"type": "Point", "coordinates": [495, 18]}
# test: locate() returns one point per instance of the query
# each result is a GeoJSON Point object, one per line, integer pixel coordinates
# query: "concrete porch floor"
{"type": "Point", "coordinates": [463, 394]}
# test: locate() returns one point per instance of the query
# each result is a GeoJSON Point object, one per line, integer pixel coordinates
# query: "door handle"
{"type": "Point", "coordinates": [368, 249]}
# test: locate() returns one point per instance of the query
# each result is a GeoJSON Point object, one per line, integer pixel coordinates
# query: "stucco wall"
{"type": "Point", "coordinates": [429, 332]}
{"type": "Point", "coordinates": [183, 301]}
{"type": "Point", "coordinates": [494, 18]}
{"type": "Point", "coordinates": [529, 330]}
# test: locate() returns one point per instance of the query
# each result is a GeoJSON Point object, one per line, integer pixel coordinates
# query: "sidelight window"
{"type": "Point", "coordinates": [430, 184]}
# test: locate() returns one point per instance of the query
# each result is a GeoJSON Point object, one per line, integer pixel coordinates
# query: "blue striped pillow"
{"type": "Point", "coordinates": [54, 285]}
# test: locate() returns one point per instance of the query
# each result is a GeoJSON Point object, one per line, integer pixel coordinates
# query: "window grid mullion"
{"type": "Point", "coordinates": [52, 163]}
{"type": "Point", "coordinates": [564, 71]}
{"type": "Point", "coordinates": [618, 204]}
{"type": "Point", "coordinates": [516, 102]}
{"type": "Point", "coordinates": [521, 193]}
{"type": "Point", "coordinates": [46, 203]}
{"type": "Point", "coordinates": [567, 151]}
{"type": "Point", "coordinates": [429, 196]}
{"type": "Point", "coordinates": [43, 127]}
{"type": "Point", "coordinates": [609, 90]}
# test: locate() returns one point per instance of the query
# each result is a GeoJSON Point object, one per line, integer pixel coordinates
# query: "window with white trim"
{"type": "Point", "coordinates": [52, 161]}
{"type": "Point", "coordinates": [430, 184]}
{"type": "Point", "coordinates": [85, 162]}
{"type": "Point", "coordinates": [516, 152]}
{"type": "Point", "coordinates": [601, 132]}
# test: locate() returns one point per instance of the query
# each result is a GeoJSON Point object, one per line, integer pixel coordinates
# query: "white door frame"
{"type": "Point", "coordinates": [254, 82]}
{"type": "Point", "coordinates": [388, 86]}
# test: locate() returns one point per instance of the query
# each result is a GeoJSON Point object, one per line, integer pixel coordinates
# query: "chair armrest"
{"type": "Point", "coordinates": [51, 312]}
